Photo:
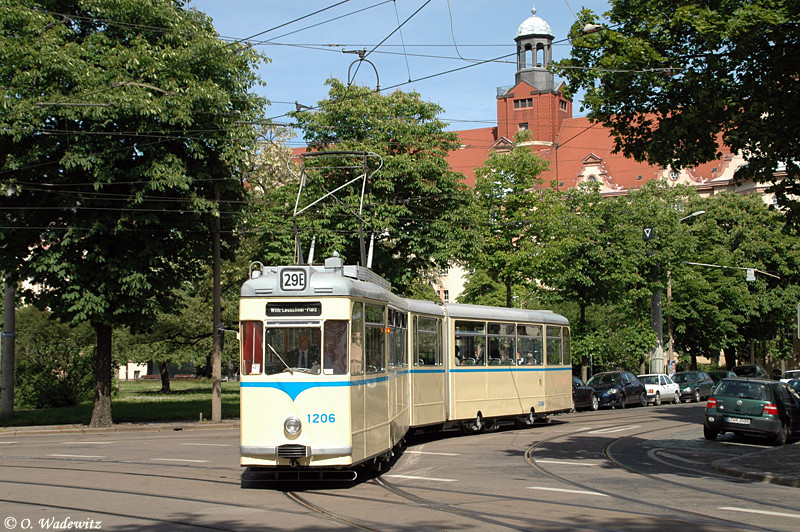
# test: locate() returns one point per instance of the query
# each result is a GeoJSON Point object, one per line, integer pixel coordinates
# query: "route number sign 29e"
{"type": "Point", "coordinates": [293, 279]}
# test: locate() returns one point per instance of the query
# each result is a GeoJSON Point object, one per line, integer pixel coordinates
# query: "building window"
{"type": "Point", "coordinates": [523, 126]}
{"type": "Point", "coordinates": [446, 296]}
{"type": "Point", "coordinates": [562, 105]}
{"type": "Point", "coordinates": [523, 103]}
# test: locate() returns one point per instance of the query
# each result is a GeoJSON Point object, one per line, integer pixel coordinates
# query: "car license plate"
{"type": "Point", "coordinates": [738, 420]}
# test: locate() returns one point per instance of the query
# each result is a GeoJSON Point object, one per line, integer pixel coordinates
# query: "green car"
{"type": "Point", "coordinates": [753, 407]}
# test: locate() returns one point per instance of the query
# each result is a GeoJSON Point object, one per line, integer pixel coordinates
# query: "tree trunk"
{"type": "Point", "coordinates": [508, 294]}
{"type": "Point", "coordinates": [162, 368]}
{"type": "Point", "coordinates": [101, 413]}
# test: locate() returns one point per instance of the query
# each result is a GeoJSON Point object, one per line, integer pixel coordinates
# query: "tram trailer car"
{"type": "Point", "coordinates": [335, 369]}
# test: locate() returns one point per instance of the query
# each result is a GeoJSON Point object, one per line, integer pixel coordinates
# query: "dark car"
{"type": "Point", "coordinates": [752, 370]}
{"type": "Point", "coordinates": [618, 389]}
{"type": "Point", "coordinates": [719, 374]}
{"type": "Point", "coordinates": [694, 385]}
{"type": "Point", "coordinates": [795, 383]}
{"type": "Point", "coordinates": [754, 407]}
{"type": "Point", "coordinates": [583, 397]}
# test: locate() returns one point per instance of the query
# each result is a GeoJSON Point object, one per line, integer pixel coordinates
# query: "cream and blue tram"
{"type": "Point", "coordinates": [335, 369]}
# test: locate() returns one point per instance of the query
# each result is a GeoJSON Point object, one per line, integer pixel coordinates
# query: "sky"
{"type": "Point", "coordinates": [455, 53]}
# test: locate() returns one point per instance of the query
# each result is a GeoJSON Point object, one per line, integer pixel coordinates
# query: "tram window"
{"type": "Point", "coordinates": [470, 326]}
{"type": "Point", "coordinates": [567, 348]}
{"type": "Point", "coordinates": [502, 344]}
{"type": "Point", "coordinates": [374, 339]}
{"type": "Point", "coordinates": [297, 348]}
{"type": "Point", "coordinates": [529, 345]}
{"type": "Point", "coordinates": [335, 347]}
{"type": "Point", "coordinates": [470, 343]}
{"type": "Point", "coordinates": [505, 329]}
{"type": "Point", "coordinates": [397, 338]}
{"type": "Point", "coordinates": [252, 347]}
{"type": "Point", "coordinates": [553, 346]}
{"type": "Point", "coordinates": [427, 339]}
{"type": "Point", "coordinates": [357, 340]}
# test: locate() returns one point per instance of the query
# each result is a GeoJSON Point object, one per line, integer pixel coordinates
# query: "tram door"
{"type": "Point", "coordinates": [357, 411]}
{"type": "Point", "coordinates": [428, 376]}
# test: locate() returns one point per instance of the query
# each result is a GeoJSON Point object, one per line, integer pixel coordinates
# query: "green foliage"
{"type": "Point", "coordinates": [481, 289]}
{"type": "Point", "coordinates": [672, 78]}
{"type": "Point", "coordinates": [122, 141]}
{"type": "Point", "coordinates": [416, 207]}
{"type": "Point", "coordinates": [507, 194]}
{"type": "Point", "coordinates": [54, 361]}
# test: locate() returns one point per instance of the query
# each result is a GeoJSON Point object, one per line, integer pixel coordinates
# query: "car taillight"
{"type": "Point", "coordinates": [770, 409]}
{"type": "Point", "coordinates": [712, 403]}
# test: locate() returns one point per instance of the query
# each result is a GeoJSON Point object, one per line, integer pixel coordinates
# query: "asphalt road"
{"type": "Point", "coordinates": [634, 469]}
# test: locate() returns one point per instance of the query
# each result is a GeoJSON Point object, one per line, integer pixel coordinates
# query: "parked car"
{"type": "Point", "coordinates": [660, 388]}
{"type": "Point", "coordinates": [795, 383]}
{"type": "Point", "coordinates": [583, 397]}
{"type": "Point", "coordinates": [617, 389]}
{"type": "Point", "coordinates": [753, 406]}
{"type": "Point", "coordinates": [790, 375]}
{"type": "Point", "coordinates": [694, 385]}
{"type": "Point", "coordinates": [752, 370]}
{"type": "Point", "coordinates": [719, 374]}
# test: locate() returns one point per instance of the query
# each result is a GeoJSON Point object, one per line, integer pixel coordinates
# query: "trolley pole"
{"type": "Point", "coordinates": [8, 351]}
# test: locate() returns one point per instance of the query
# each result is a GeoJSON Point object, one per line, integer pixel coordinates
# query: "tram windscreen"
{"type": "Point", "coordinates": [295, 348]}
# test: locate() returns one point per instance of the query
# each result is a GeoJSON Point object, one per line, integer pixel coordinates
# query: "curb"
{"type": "Point", "coordinates": [756, 466]}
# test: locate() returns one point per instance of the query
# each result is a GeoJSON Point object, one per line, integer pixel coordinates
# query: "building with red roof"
{"type": "Point", "coordinates": [577, 149]}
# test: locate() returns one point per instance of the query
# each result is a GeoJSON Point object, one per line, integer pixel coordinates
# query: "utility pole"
{"type": "Point", "coordinates": [216, 357]}
{"type": "Point", "coordinates": [8, 351]}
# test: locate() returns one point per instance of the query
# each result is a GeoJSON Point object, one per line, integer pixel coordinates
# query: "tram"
{"type": "Point", "coordinates": [336, 369]}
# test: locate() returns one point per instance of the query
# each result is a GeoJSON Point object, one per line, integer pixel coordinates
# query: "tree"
{"type": "Point", "coordinates": [716, 307]}
{"type": "Point", "coordinates": [417, 209]}
{"type": "Point", "coordinates": [672, 79]}
{"type": "Point", "coordinates": [123, 122]}
{"type": "Point", "coordinates": [509, 189]}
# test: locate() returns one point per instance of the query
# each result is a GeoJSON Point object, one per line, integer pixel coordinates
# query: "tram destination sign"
{"type": "Point", "coordinates": [294, 309]}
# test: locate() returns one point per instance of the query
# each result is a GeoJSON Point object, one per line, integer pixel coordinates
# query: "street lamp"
{"type": "Point", "coordinates": [669, 297]}
{"type": "Point", "coordinates": [695, 213]}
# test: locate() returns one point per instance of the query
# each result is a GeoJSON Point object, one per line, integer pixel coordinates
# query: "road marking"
{"type": "Point", "coordinates": [614, 429]}
{"type": "Point", "coordinates": [563, 463]}
{"type": "Point", "coordinates": [86, 442]}
{"type": "Point", "coordinates": [763, 512]}
{"type": "Point", "coordinates": [179, 460]}
{"type": "Point", "coordinates": [208, 444]}
{"type": "Point", "coordinates": [409, 477]}
{"type": "Point", "coordinates": [580, 492]}
{"type": "Point", "coordinates": [671, 456]}
{"type": "Point", "coordinates": [75, 456]}
{"type": "Point", "coordinates": [7, 442]}
{"type": "Point", "coordinates": [432, 453]}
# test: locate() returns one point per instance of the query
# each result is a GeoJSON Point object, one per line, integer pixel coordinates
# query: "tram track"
{"type": "Point", "coordinates": [677, 511]}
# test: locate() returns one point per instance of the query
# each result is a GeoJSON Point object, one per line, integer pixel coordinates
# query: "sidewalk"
{"type": "Point", "coordinates": [778, 465]}
{"type": "Point", "coordinates": [121, 427]}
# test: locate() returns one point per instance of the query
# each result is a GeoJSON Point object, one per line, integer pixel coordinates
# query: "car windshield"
{"type": "Point", "coordinates": [685, 377]}
{"type": "Point", "coordinates": [604, 379]}
{"type": "Point", "coordinates": [649, 379]}
{"type": "Point", "coordinates": [792, 374]}
{"type": "Point", "coordinates": [746, 371]}
{"type": "Point", "coordinates": [743, 390]}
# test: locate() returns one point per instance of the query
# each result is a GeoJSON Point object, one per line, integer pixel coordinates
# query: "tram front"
{"type": "Point", "coordinates": [295, 390]}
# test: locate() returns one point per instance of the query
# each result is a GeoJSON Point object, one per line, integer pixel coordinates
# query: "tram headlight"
{"type": "Point", "coordinates": [292, 425]}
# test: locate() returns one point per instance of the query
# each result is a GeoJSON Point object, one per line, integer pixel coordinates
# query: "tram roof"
{"type": "Point", "coordinates": [480, 312]}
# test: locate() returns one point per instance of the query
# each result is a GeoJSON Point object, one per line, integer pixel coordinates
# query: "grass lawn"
{"type": "Point", "coordinates": [141, 402]}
